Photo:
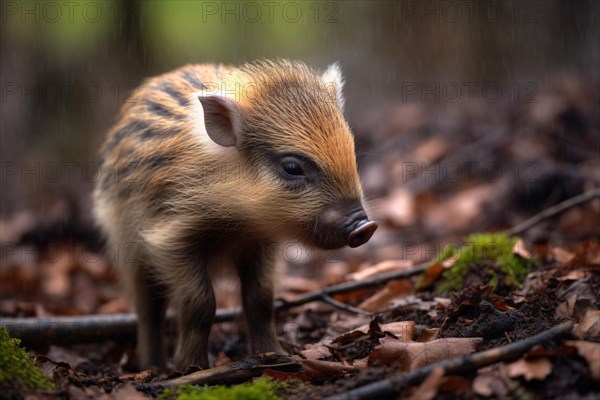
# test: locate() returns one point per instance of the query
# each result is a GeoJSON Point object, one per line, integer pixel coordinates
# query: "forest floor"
{"type": "Point", "coordinates": [476, 167]}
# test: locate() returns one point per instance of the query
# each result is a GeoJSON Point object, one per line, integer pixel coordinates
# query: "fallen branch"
{"type": "Point", "coordinates": [94, 328]}
{"type": "Point", "coordinates": [343, 306]}
{"type": "Point", "coordinates": [65, 330]}
{"type": "Point", "coordinates": [392, 386]}
{"type": "Point", "coordinates": [233, 373]}
{"type": "Point", "coordinates": [554, 210]}
{"type": "Point", "coordinates": [351, 286]}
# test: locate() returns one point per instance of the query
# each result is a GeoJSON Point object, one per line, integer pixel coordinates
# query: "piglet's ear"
{"type": "Point", "coordinates": [222, 118]}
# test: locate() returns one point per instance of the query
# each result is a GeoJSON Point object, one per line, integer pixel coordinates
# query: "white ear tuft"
{"type": "Point", "coordinates": [334, 81]}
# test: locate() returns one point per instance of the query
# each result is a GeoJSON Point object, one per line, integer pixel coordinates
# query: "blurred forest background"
{"type": "Point", "coordinates": [517, 80]}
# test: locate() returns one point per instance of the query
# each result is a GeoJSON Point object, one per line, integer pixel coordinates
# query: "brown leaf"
{"type": "Point", "coordinates": [299, 284]}
{"type": "Point", "coordinates": [579, 296]}
{"type": "Point", "coordinates": [575, 275]}
{"type": "Point", "coordinates": [586, 256]}
{"type": "Point", "coordinates": [84, 292]}
{"type": "Point", "coordinates": [92, 263]}
{"type": "Point", "coordinates": [403, 330]}
{"type": "Point", "coordinates": [561, 255]}
{"type": "Point", "coordinates": [428, 334]}
{"type": "Point", "coordinates": [414, 354]}
{"type": "Point", "coordinates": [461, 209]}
{"type": "Point", "coordinates": [429, 387]}
{"type": "Point", "coordinates": [315, 352]}
{"type": "Point", "coordinates": [398, 208]}
{"type": "Point", "coordinates": [520, 249]}
{"type": "Point", "coordinates": [60, 354]}
{"type": "Point", "coordinates": [361, 362]}
{"type": "Point", "coordinates": [56, 268]}
{"type": "Point", "coordinates": [487, 383]}
{"type": "Point", "coordinates": [589, 326]}
{"type": "Point", "coordinates": [353, 335]}
{"type": "Point", "coordinates": [317, 370]}
{"type": "Point", "coordinates": [591, 352]}
{"type": "Point", "coordinates": [381, 299]}
{"type": "Point", "coordinates": [125, 391]}
{"type": "Point", "coordinates": [530, 368]}
{"type": "Point", "coordinates": [380, 268]}
{"type": "Point", "coordinates": [566, 308]}
{"type": "Point", "coordinates": [114, 306]}
{"type": "Point", "coordinates": [222, 359]}
{"type": "Point", "coordinates": [430, 275]}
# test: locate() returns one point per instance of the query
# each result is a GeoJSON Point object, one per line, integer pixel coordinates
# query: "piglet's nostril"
{"type": "Point", "coordinates": [362, 233]}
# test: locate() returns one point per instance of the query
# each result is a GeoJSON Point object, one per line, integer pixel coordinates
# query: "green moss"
{"type": "Point", "coordinates": [481, 249]}
{"type": "Point", "coordinates": [260, 389]}
{"type": "Point", "coordinates": [16, 365]}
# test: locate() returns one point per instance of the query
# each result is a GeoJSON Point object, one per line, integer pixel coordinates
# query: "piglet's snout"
{"type": "Point", "coordinates": [361, 234]}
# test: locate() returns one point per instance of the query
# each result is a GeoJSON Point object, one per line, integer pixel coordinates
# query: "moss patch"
{"type": "Point", "coordinates": [260, 389]}
{"type": "Point", "coordinates": [17, 366]}
{"type": "Point", "coordinates": [492, 251]}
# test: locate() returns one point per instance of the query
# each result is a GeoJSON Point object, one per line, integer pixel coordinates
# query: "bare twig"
{"type": "Point", "coordinates": [462, 364]}
{"type": "Point", "coordinates": [351, 286]}
{"type": "Point", "coordinates": [235, 372]}
{"type": "Point", "coordinates": [93, 328]}
{"type": "Point", "coordinates": [554, 210]}
{"type": "Point", "coordinates": [343, 306]}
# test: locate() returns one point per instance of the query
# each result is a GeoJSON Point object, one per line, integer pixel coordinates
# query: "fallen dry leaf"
{"type": "Point", "coordinates": [61, 354]}
{"type": "Point", "coordinates": [579, 296]}
{"type": "Point", "coordinates": [561, 255]}
{"type": "Point", "coordinates": [455, 385]}
{"type": "Point", "coordinates": [114, 306]}
{"type": "Point", "coordinates": [299, 284]}
{"type": "Point", "coordinates": [317, 370]}
{"type": "Point", "coordinates": [92, 263]}
{"type": "Point", "coordinates": [380, 268]}
{"type": "Point", "coordinates": [530, 368]}
{"type": "Point", "coordinates": [430, 151]}
{"type": "Point", "coordinates": [428, 334]}
{"type": "Point", "coordinates": [84, 293]}
{"type": "Point", "coordinates": [591, 352]}
{"type": "Point", "coordinates": [535, 282]}
{"type": "Point", "coordinates": [222, 359]}
{"type": "Point", "coordinates": [382, 299]}
{"type": "Point", "coordinates": [414, 354]}
{"type": "Point", "coordinates": [520, 249]}
{"type": "Point", "coordinates": [589, 326]}
{"type": "Point", "coordinates": [315, 352]}
{"type": "Point", "coordinates": [56, 268]}
{"type": "Point", "coordinates": [355, 334]}
{"type": "Point", "coordinates": [566, 308]}
{"type": "Point", "coordinates": [398, 209]}
{"type": "Point", "coordinates": [488, 383]}
{"type": "Point", "coordinates": [361, 362]}
{"type": "Point", "coordinates": [586, 256]}
{"type": "Point", "coordinates": [461, 209]}
{"type": "Point", "coordinates": [575, 275]}
{"type": "Point", "coordinates": [403, 330]}
{"type": "Point", "coordinates": [430, 275]}
{"type": "Point", "coordinates": [125, 391]}
{"type": "Point", "coordinates": [429, 387]}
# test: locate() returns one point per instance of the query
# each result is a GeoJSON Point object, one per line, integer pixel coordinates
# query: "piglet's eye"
{"type": "Point", "coordinates": [296, 170]}
{"type": "Point", "coordinates": [292, 168]}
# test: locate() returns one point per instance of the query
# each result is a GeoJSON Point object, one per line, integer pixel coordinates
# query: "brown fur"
{"type": "Point", "coordinates": [189, 205]}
